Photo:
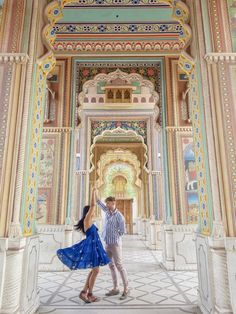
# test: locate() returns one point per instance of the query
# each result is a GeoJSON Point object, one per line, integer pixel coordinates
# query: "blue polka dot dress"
{"type": "Point", "coordinates": [88, 253]}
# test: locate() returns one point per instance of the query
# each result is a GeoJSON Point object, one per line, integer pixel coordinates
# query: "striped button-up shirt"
{"type": "Point", "coordinates": [114, 226]}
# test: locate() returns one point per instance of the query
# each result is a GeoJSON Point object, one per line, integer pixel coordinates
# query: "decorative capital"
{"type": "Point", "coordinates": [186, 63]}
{"type": "Point", "coordinates": [156, 173]}
{"type": "Point", "coordinates": [217, 57]}
{"type": "Point", "coordinates": [47, 63]}
{"type": "Point", "coordinates": [173, 129]}
{"type": "Point", "coordinates": [18, 58]}
{"type": "Point", "coordinates": [82, 172]}
{"type": "Point", "coordinates": [57, 130]}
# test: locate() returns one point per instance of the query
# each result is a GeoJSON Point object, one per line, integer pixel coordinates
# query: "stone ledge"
{"type": "Point", "coordinates": [18, 58]}
{"type": "Point", "coordinates": [217, 57]}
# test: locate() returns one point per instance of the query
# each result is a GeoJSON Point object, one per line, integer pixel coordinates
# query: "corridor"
{"type": "Point", "coordinates": [153, 289]}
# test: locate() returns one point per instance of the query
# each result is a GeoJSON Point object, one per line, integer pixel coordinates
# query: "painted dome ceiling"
{"type": "Point", "coordinates": [89, 26]}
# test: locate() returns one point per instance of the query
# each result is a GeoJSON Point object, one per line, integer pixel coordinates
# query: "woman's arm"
{"type": "Point", "coordinates": [100, 203]}
{"type": "Point", "coordinates": [88, 218]}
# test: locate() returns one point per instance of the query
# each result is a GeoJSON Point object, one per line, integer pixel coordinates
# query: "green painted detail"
{"type": "Point", "coordinates": [232, 16]}
{"type": "Point", "coordinates": [26, 28]}
{"type": "Point", "coordinates": [118, 15]}
{"type": "Point", "coordinates": [165, 152]}
{"type": "Point", "coordinates": [207, 33]}
{"type": "Point", "coordinates": [138, 88]}
{"type": "Point", "coordinates": [26, 170]}
{"type": "Point", "coordinates": [99, 87]}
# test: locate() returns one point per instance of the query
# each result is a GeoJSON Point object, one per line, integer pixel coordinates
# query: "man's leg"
{"type": "Point", "coordinates": [117, 257]}
{"type": "Point", "coordinates": [112, 268]}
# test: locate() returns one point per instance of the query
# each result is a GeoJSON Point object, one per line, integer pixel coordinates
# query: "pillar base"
{"type": "Point", "coordinates": [230, 245]}
{"type": "Point", "coordinates": [214, 284]}
{"type": "Point", "coordinates": [143, 229]}
{"type": "Point", "coordinates": [139, 227]}
{"type": "Point", "coordinates": [52, 238]}
{"type": "Point", "coordinates": [19, 293]}
{"type": "Point", "coordinates": [154, 239]}
{"type": "Point", "coordinates": [179, 252]}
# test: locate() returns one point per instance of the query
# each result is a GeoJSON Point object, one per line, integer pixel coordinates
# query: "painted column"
{"type": "Point", "coordinates": [215, 253]}
{"type": "Point", "coordinates": [222, 74]}
{"type": "Point", "coordinates": [12, 77]}
{"type": "Point", "coordinates": [15, 227]}
{"type": "Point", "coordinates": [12, 116]}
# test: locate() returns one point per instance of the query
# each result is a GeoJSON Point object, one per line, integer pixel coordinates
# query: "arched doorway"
{"type": "Point", "coordinates": [190, 72]}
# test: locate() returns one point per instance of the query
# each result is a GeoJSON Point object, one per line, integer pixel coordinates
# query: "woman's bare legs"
{"type": "Point", "coordinates": [86, 286]}
{"type": "Point", "coordinates": [84, 292]}
{"type": "Point", "coordinates": [92, 280]}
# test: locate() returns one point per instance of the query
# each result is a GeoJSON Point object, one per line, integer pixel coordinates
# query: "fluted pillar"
{"type": "Point", "coordinates": [10, 144]}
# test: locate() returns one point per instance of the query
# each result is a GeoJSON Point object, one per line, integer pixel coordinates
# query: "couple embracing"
{"type": "Point", "coordinates": [89, 253]}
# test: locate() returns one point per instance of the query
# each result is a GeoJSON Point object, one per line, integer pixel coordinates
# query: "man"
{"type": "Point", "coordinates": [114, 228]}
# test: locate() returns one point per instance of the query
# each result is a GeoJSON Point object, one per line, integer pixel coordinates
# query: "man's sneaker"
{"type": "Point", "coordinates": [124, 295]}
{"type": "Point", "coordinates": [112, 292]}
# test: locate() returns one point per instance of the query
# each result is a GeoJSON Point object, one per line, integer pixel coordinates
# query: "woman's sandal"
{"type": "Point", "coordinates": [93, 298]}
{"type": "Point", "coordinates": [83, 296]}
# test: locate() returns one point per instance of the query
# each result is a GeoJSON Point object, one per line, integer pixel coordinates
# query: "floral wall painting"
{"type": "Point", "coordinates": [188, 177]}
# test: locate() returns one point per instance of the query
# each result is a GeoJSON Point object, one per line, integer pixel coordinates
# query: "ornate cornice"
{"type": "Point", "coordinates": [57, 130]}
{"type": "Point", "coordinates": [19, 58]}
{"type": "Point", "coordinates": [219, 57]}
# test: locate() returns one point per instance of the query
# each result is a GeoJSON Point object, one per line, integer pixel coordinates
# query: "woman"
{"type": "Point", "coordinates": [89, 253]}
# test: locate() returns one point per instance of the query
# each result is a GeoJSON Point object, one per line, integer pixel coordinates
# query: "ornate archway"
{"type": "Point", "coordinates": [54, 13]}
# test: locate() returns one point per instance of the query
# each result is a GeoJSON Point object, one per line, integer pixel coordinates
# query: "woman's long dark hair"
{"type": "Point", "coordinates": [80, 225]}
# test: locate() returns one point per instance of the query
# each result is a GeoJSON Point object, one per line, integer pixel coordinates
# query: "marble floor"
{"type": "Point", "coordinates": [153, 289]}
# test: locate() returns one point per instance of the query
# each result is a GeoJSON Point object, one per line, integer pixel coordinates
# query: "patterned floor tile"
{"type": "Point", "coordinates": [152, 288]}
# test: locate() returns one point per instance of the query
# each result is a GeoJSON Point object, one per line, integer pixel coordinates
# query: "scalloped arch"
{"type": "Point", "coordinates": [108, 158]}
{"type": "Point", "coordinates": [121, 132]}
{"type": "Point", "coordinates": [132, 77]}
{"type": "Point", "coordinates": [54, 12]}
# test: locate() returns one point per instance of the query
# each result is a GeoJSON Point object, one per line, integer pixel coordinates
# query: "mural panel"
{"type": "Point", "coordinates": [191, 205]}
{"type": "Point", "coordinates": [232, 17]}
{"type": "Point", "coordinates": [47, 182]}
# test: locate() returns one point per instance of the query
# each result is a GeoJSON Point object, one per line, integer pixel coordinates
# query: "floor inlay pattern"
{"type": "Point", "coordinates": [152, 288]}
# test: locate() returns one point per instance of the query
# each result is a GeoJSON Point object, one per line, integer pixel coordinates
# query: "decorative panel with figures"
{"type": "Point", "coordinates": [188, 187]}
{"type": "Point", "coordinates": [183, 176]}
{"type": "Point", "coordinates": [54, 157]}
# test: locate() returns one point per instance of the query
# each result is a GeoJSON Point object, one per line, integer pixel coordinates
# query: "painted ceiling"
{"type": "Point", "coordinates": [117, 25]}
